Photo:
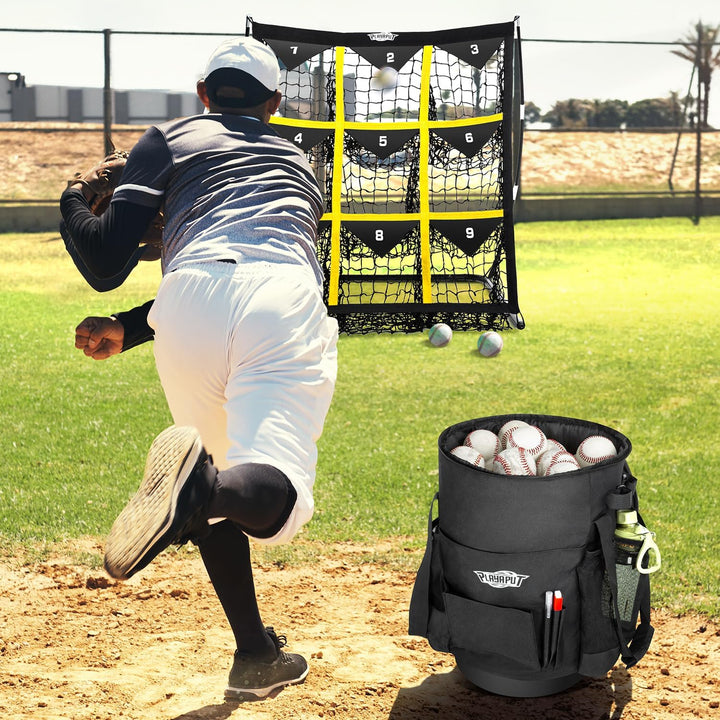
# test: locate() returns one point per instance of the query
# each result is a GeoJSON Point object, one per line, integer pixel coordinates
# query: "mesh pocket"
{"type": "Point", "coordinates": [598, 637]}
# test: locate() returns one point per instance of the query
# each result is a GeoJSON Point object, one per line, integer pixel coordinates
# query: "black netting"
{"type": "Point", "coordinates": [418, 226]}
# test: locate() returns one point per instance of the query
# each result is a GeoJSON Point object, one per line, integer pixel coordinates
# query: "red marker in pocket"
{"type": "Point", "coordinates": [557, 610]}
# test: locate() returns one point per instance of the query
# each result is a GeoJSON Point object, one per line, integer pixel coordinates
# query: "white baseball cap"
{"type": "Point", "coordinates": [246, 63]}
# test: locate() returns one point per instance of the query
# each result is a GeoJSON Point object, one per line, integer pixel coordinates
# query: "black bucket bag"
{"type": "Point", "coordinates": [499, 543]}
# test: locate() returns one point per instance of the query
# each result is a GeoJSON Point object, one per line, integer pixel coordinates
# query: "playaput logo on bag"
{"type": "Point", "coordinates": [500, 579]}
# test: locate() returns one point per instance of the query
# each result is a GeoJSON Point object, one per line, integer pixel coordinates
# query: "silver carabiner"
{"type": "Point", "coordinates": [649, 547]}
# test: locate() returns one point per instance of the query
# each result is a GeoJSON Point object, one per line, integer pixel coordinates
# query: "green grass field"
{"type": "Point", "coordinates": [622, 329]}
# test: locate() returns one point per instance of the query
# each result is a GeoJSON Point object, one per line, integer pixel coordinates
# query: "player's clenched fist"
{"type": "Point", "coordinates": [100, 337]}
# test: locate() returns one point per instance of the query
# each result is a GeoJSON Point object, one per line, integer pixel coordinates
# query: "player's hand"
{"type": "Point", "coordinates": [100, 337]}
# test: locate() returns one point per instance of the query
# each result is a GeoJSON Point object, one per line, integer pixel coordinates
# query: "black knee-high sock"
{"type": "Point", "coordinates": [257, 497]}
{"type": "Point", "coordinates": [226, 554]}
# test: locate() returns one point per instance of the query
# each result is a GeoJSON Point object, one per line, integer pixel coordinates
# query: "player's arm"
{"type": "Point", "coordinates": [103, 337]}
{"type": "Point", "coordinates": [106, 244]}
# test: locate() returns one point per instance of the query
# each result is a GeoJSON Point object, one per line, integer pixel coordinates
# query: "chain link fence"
{"type": "Point", "coordinates": [139, 78]}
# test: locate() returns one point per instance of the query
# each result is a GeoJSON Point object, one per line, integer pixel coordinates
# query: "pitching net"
{"type": "Point", "coordinates": [416, 140]}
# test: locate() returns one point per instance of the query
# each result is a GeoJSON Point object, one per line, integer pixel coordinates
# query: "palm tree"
{"type": "Point", "coordinates": [702, 48]}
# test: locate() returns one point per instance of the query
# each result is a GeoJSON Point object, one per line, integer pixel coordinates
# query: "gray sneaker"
{"type": "Point", "coordinates": [169, 505]}
{"type": "Point", "coordinates": [252, 680]}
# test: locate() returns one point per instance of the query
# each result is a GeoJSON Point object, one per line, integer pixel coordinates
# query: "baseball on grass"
{"type": "Point", "coordinates": [469, 455]}
{"type": "Point", "coordinates": [486, 442]}
{"type": "Point", "coordinates": [595, 449]}
{"type": "Point", "coordinates": [440, 335]}
{"type": "Point", "coordinates": [489, 344]}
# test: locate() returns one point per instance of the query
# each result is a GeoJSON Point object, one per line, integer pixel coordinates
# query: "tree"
{"type": "Point", "coordinates": [654, 112]}
{"type": "Point", "coordinates": [532, 112]}
{"type": "Point", "coordinates": [572, 113]}
{"type": "Point", "coordinates": [578, 114]}
{"type": "Point", "coordinates": [609, 113]}
{"type": "Point", "coordinates": [701, 47]}
{"type": "Point", "coordinates": [680, 105]}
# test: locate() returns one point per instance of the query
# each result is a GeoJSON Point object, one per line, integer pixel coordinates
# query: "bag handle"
{"type": "Point", "coordinates": [420, 599]}
{"type": "Point", "coordinates": [643, 634]}
{"type": "Point", "coordinates": [623, 497]}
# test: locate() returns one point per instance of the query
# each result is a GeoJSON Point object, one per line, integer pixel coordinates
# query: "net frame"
{"type": "Point", "coordinates": [420, 176]}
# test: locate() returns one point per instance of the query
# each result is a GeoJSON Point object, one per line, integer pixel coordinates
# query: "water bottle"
{"type": "Point", "coordinates": [636, 553]}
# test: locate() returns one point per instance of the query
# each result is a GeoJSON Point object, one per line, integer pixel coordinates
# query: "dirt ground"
{"type": "Point", "coordinates": [75, 644]}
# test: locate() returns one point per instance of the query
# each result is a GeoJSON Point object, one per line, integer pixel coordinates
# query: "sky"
{"type": "Point", "coordinates": [552, 71]}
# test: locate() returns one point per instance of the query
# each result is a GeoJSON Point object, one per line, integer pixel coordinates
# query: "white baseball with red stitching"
{"type": "Point", "coordinates": [562, 467]}
{"type": "Point", "coordinates": [469, 455]}
{"type": "Point", "coordinates": [595, 449]}
{"type": "Point", "coordinates": [543, 462]}
{"type": "Point", "coordinates": [514, 461]}
{"type": "Point", "coordinates": [530, 438]}
{"type": "Point", "coordinates": [507, 428]}
{"type": "Point", "coordinates": [553, 445]}
{"type": "Point", "coordinates": [486, 442]}
{"type": "Point", "coordinates": [561, 462]}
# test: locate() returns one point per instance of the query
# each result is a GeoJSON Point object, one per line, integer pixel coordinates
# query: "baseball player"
{"type": "Point", "coordinates": [244, 348]}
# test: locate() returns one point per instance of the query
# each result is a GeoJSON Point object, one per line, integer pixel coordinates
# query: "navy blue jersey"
{"type": "Point", "coordinates": [229, 187]}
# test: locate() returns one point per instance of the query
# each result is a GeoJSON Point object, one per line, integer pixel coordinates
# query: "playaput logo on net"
{"type": "Point", "coordinates": [382, 36]}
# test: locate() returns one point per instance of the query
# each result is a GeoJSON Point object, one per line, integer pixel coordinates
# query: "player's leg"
{"type": "Point", "coordinates": [257, 495]}
{"type": "Point", "coordinates": [283, 368]}
{"type": "Point", "coordinates": [194, 325]}
{"type": "Point", "coordinates": [260, 665]}
{"type": "Point", "coordinates": [256, 380]}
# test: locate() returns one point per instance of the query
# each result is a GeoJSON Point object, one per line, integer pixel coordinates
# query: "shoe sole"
{"type": "Point", "coordinates": [147, 518]}
{"type": "Point", "coordinates": [232, 693]}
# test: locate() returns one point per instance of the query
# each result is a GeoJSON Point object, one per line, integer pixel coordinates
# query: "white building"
{"type": "Point", "coordinates": [20, 102]}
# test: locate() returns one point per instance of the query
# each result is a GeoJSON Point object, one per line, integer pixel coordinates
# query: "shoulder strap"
{"type": "Point", "coordinates": [420, 600]}
{"type": "Point", "coordinates": [642, 637]}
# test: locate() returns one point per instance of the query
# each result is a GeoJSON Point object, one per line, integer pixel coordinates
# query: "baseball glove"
{"type": "Point", "coordinates": [102, 180]}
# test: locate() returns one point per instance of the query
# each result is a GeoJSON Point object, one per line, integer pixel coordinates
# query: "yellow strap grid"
{"type": "Point", "coordinates": [449, 215]}
{"type": "Point", "coordinates": [424, 185]}
{"type": "Point", "coordinates": [337, 177]}
{"type": "Point", "coordinates": [405, 125]}
{"type": "Point", "coordinates": [425, 215]}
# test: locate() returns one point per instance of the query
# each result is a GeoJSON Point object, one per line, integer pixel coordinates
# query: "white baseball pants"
{"type": "Point", "coordinates": [248, 355]}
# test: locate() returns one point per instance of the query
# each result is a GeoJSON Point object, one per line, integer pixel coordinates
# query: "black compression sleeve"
{"type": "Point", "coordinates": [135, 324]}
{"type": "Point", "coordinates": [105, 243]}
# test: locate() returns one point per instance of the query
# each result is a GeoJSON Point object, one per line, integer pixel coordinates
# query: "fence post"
{"type": "Point", "coordinates": [698, 128]}
{"type": "Point", "coordinates": [107, 96]}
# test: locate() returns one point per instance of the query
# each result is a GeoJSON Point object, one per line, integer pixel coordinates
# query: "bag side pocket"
{"type": "Point", "coordinates": [427, 613]}
{"type": "Point", "coordinates": [599, 648]}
